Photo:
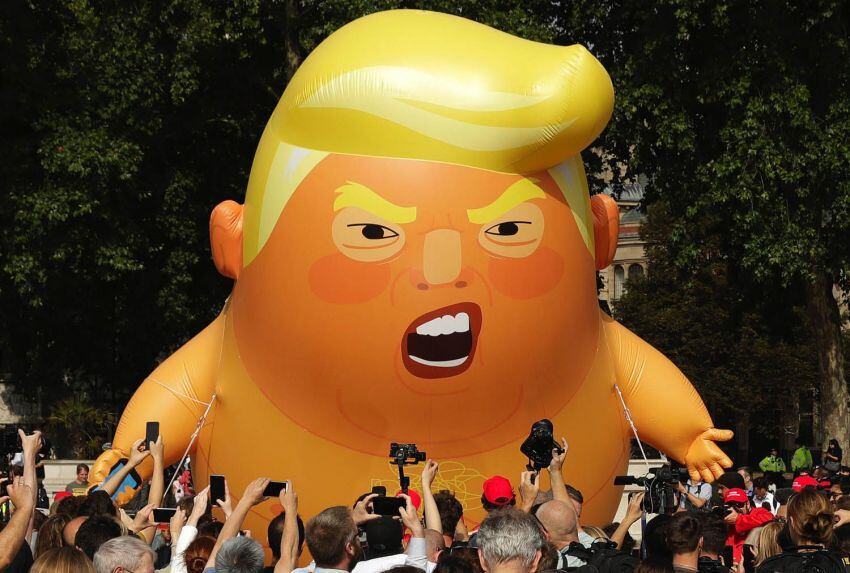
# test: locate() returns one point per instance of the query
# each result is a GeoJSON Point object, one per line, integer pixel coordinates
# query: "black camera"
{"type": "Point", "coordinates": [658, 485]}
{"type": "Point", "coordinates": [539, 444]}
{"type": "Point", "coordinates": [405, 454]}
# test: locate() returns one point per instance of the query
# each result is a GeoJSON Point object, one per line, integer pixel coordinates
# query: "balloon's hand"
{"type": "Point", "coordinates": [704, 459]}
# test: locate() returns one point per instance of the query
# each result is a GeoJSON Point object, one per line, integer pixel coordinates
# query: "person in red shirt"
{"type": "Point", "coordinates": [741, 518]}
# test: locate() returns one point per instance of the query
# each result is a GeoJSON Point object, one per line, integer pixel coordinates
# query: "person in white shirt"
{"type": "Point", "coordinates": [332, 538]}
{"type": "Point", "coordinates": [762, 496]}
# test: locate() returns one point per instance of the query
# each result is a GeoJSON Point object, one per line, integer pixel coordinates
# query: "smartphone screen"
{"type": "Point", "coordinates": [274, 488]}
{"type": "Point", "coordinates": [384, 505]}
{"type": "Point", "coordinates": [151, 433]}
{"type": "Point", "coordinates": [163, 514]}
{"type": "Point", "coordinates": [216, 488]}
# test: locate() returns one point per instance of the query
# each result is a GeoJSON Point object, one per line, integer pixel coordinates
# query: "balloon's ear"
{"type": "Point", "coordinates": [606, 228]}
{"type": "Point", "coordinates": [226, 238]}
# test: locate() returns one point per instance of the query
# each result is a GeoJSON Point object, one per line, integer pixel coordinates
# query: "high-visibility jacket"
{"type": "Point", "coordinates": [772, 464]}
{"type": "Point", "coordinates": [802, 459]}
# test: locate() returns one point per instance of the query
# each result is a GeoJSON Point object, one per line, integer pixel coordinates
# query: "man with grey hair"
{"type": "Point", "coordinates": [124, 554]}
{"type": "Point", "coordinates": [239, 555]}
{"type": "Point", "coordinates": [509, 540]}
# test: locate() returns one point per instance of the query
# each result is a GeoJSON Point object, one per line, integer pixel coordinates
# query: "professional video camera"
{"type": "Point", "coordinates": [658, 484]}
{"type": "Point", "coordinates": [405, 455]}
{"type": "Point", "coordinates": [539, 444]}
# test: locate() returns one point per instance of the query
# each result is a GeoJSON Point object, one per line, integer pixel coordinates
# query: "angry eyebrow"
{"type": "Point", "coordinates": [520, 192]}
{"type": "Point", "coordinates": [356, 195]}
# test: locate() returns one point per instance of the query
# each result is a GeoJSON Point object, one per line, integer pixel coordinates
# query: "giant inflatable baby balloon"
{"type": "Point", "coordinates": [416, 261]}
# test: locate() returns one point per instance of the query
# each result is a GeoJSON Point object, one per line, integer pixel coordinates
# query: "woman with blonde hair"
{"type": "Point", "coordinates": [63, 560]}
{"type": "Point", "coordinates": [767, 541]}
{"type": "Point", "coordinates": [50, 534]}
{"type": "Point", "coordinates": [596, 533]}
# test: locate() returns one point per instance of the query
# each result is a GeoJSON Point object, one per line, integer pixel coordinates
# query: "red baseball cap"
{"type": "Point", "coordinates": [415, 498]}
{"type": "Point", "coordinates": [498, 491]}
{"type": "Point", "coordinates": [59, 495]}
{"type": "Point", "coordinates": [735, 495]}
{"type": "Point", "coordinates": [802, 482]}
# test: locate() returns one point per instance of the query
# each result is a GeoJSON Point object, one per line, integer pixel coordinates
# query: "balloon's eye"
{"type": "Point", "coordinates": [515, 234]}
{"type": "Point", "coordinates": [374, 232]}
{"type": "Point", "coordinates": [506, 229]}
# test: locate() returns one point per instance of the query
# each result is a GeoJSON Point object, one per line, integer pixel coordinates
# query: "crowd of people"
{"type": "Point", "coordinates": [743, 523]}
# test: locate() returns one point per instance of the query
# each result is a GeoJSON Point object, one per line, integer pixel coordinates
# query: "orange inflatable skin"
{"type": "Point", "coordinates": [306, 359]}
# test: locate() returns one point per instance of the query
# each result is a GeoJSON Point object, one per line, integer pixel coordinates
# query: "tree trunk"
{"type": "Point", "coordinates": [790, 426]}
{"type": "Point", "coordinates": [294, 51]}
{"type": "Point", "coordinates": [825, 322]}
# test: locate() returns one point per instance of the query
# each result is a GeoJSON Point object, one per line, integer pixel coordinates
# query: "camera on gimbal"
{"type": "Point", "coordinates": [405, 454]}
{"type": "Point", "coordinates": [539, 444]}
{"type": "Point", "coordinates": [658, 485]}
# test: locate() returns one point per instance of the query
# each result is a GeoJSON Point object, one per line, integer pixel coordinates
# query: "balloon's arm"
{"type": "Point", "coordinates": [665, 407]}
{"type": "Point", "coordinates": [176, 395]}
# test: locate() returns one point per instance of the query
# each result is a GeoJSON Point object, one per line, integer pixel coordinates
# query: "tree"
{"type": "Point", "coordinates": [740, 114]}
{"type": "Point", "coordinates": [743, 346]}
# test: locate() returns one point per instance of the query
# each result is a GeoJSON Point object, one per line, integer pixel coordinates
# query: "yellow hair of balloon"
{"type": "Point", "coordinates": [431, 86]}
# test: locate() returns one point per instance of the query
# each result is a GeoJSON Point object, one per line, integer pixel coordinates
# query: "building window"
{"type": "Point", "coordinates": [619, 281]}
{"type": "Point", "coordinates": [635, 271]}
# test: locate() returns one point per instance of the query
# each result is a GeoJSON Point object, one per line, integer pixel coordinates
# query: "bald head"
{"type": "Point", "coordinates": [69, 534]}
{"type": "Point", "coordinates": [559, 519]}
{"type": "Point", "coordinates": [434, 542]}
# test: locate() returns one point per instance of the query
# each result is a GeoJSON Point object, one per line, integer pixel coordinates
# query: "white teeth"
{"type": "Point", "coordinates": [439, 363]}
{"type": "Point", "coordinates": [446, 324]}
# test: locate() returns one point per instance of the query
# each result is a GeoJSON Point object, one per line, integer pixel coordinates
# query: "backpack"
{"type": "Point", "coordinates": [601, 557]}
{"type": "Point", "coordinates": [792, 561]}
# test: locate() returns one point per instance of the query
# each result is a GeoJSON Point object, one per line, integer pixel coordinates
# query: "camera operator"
{"type": "Point", "coordinates": [741, 518]}
{"type": "Point", "coordinates": [694, 495]}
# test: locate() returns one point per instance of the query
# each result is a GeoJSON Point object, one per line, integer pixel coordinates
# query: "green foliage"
{"type": "Point", "coordinates": [744, 346]}
{"type": "Point", "coordinates": [74, 423]}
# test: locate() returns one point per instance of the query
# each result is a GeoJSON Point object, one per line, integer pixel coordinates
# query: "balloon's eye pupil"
{"type": "Point", "coordinates": [373, 231]}
{"type": "Point", "coordinates": [508, 229]}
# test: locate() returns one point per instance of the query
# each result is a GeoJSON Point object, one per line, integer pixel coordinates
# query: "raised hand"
{"type": "Point", "coordinates": [21, 495]}
{"type": "Point", "coordinates": [143, 518]}
{"type": "Point", "coordinates": [635, 509]}
{"type": "Point", "coordinates": [199, 506]}
{"type": "Point", "coordinates": [429, 472]}
{"type": "Point", "coordinates": [558, 459]}
{"type": "Point", "coordinates": [529, 486]}
{"type": "Point", "coordinates": [360, 513]}
{"type": "Point", "coordinates": [225, 504]}
{"type": "Point", "coordinates": [31, 444]}
{"type": "Point", "coordinates": [288, 498]}
{"type": "Point", "coordinates": [254, 492]}
{"type": "Point", "coordinates": [410, 518]}
{"type": "Point", "coordinates": [137, 454]}
{"type": "Point", "coordinates": [156, 448]}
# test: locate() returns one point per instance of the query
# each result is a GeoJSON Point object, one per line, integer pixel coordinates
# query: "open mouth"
{"type": "Point", "coordinates": [442, 343]}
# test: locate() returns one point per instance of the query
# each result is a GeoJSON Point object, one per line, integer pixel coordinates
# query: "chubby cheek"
{"type": "Point", "coordinates": [529, 277]}
{"type": "Point", "coordinates": [338, 279]}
